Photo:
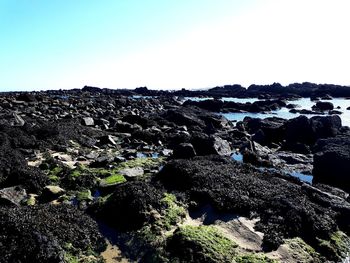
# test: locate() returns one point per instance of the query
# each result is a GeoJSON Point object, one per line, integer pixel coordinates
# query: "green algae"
{"type": "Point", "coordinates": [76, 255]}
{"type": "Point", "coordinates": [254, 258]}
{"type": "Point", "coordinates": [84, 195]}
{"type": "Point", "coordinates": [140, 162]}
{"type": "Point", "coordinates": [337, 246]}
{"type": "Point", "coordinates": [173, 213]}
{"type": "Point", "coordinates": [302, 252]}
{"type": "Point", "coordinates": [202, 244]}
{"type": "Point", "coordinates": [113, 180]}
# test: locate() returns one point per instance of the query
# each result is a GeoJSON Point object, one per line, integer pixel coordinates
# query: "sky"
{"type": "Point", "coordinates": [172, 44]}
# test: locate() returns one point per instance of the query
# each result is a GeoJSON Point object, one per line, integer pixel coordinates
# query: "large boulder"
{"type": "Point", "coordinates": [326, 126]}
{"type": "Point", "coordinates": [266, 131]}
{"type": "Point", "coordinates": [206, 145]}
{"type": "Point", "coordinates": [304, 130]}
{"type": "Point", "coordinates": [331, 162]}
{"type": "Point", "coordinates": [299, 130]}
{"type": "Point", "coordinates": [323, 105]}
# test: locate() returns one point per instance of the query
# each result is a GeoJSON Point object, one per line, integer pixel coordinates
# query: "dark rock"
{"type": "Point", "coordinates": [107, 140]}
{"type": "Point", "coordinates": [327, 97]}
{"type": "Point", "coordinates": [51, 192]}
{"type": "Point", "coordinates": [331, 162]}
{"type": "Point", "coordinates": [323, 106]}
{"type": "Point", "coordinates": [206, 145]}
{"type": "Point", "coordinates": [211, 105]}
{"type": "Point", "coordinates": [130, 205]}
{"type": "Point", "coordinates": [259, 137]}
{"type": "Point", "coordinates": [186, 118]}
{"type": "Point", "coordinates": [327, 126]}
{"type": "Point", "coordinates": [140, 120]}
{"type": "Point", "coordinates": [335, 112]}
{"type": "Point", "coordinates": [299, 130]}
{"type": "Point", "coordinates": [184, 151]}
{"type": "Point", "coordinates": [254, 159]}
{"type": "Point", "coordinates": [296, 147]}
{"type": "Point", "coordinates": [91, 89]}
{"type": "Point", "coordinates": [40, 233]}
{"type": "Point", "coordinates": [101, 162]}
{"type": "Point", "coordinates": [26, 97]}
{"type": "Point", "coordinates": [282, 205]}
{"type": "Point", "coordinates": [306, 112]}
{"type": "Point", "coordinates": [291, 106]}
{"type": "Point", "coordinates": [272, 130]}
{"type": "Point", "coordinates": [121, 126]}
{"type": "Point", "coordinates": [307, 131]}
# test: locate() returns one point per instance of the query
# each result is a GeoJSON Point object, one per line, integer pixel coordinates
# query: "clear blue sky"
{"type": "Point", "coordinates": [170, 44]}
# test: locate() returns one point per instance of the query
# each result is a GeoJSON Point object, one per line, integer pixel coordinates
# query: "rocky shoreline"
{"type": "Point", "coordinates": [87, 172]}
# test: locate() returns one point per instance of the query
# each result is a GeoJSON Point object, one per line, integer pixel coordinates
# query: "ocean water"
{"type": "Point", "coordinates": [240, 100]}
{"type": "Point", "coordinates": [303, 103]}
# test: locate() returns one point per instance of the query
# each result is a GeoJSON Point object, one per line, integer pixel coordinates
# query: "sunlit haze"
{"type": "Point", "coordinates": [63, 44]}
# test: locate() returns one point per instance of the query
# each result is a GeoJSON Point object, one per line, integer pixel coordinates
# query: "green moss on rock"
{"type": "Point", "coordinates": [31, 200]}
{"type": "Point", "coordinates": [253, 258]}
{"type": "Point", "coordinates": [201, 244]}
{"type": "Point", "coordinates": [54, 179]}
{"type": "Point", "coordinates": [337, 247]}
{"type": "Point", "coordinates": [112, 180]}
{"type": "Point", "coordinates": [173, 213]}
{"type": "Point", "coordinates": [56, 171]}
{"type": "Point", "coordinates": [75, 255]}
{"type": "Point", "coordinates": [302, 252]}
{"type": "Point", "coordinates": [76, 173]}
{"type": "Point", "coordinates": [84, 195]}
{"type": "Point", "coordinates": [140, 162]}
